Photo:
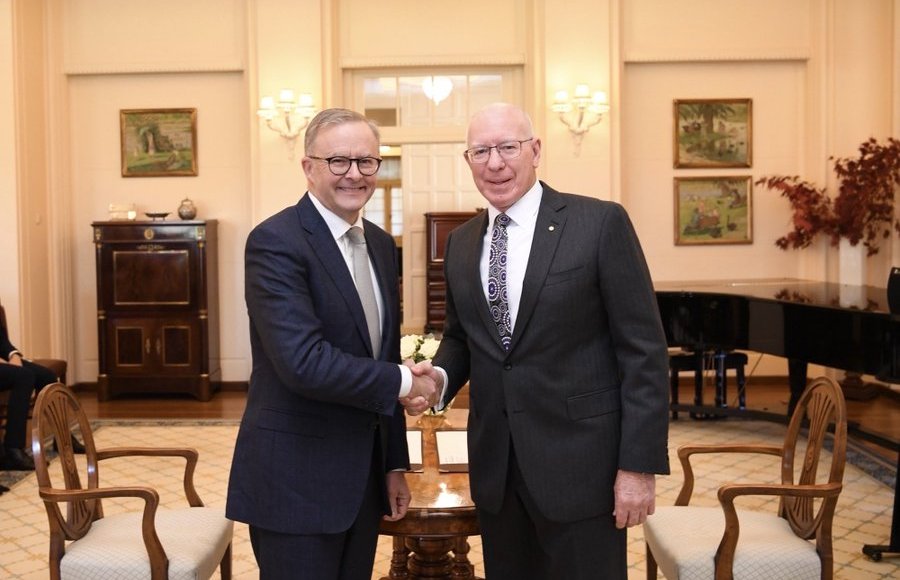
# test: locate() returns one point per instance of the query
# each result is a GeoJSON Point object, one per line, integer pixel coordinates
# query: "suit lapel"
{"type": "Point", "coordinates": [332, 260]}
{"type": "Point", "coordinates": [548, 230]}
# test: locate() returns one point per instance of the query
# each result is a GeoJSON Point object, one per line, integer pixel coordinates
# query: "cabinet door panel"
{"type": "Point", "coordinates": [154, 278]}
{"type": "Point", "coordinates": [129, 346]}
{"type": "Point", "coordinates": [177, 345]}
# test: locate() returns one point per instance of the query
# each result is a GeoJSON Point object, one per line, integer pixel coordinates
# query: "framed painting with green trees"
{"type": "Point", "coordinates": [713, 133]}
{"type": "Point", "coordinates": [158, 142]}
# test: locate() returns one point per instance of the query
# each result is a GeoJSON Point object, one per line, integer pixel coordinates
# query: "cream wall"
{"type": "Point", "coordinates": [9, 223]}
{"type": "Point", "coordinates": [821, 74]}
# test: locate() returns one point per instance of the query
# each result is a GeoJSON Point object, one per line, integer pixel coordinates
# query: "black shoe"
{"type": "Point", "coordinates": [77, 446]}
{"type": "Point", "coordinates": [16, 460]}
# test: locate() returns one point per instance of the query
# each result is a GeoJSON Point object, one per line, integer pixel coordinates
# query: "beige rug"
{"type": "Point", "coordinates": [863, 517]}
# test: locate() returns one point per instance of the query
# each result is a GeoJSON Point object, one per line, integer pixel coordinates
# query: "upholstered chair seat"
{"type": "Point", "coordinates": [194, 539]}
{"type": "Point", "coordinates": [684, 543]}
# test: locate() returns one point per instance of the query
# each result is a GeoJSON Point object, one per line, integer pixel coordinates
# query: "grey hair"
{"type": "Point", "coordinates": [335, 117]}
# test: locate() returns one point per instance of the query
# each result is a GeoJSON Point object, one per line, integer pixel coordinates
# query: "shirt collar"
{"type": "Point", "coordinates": [336, 225]}
{"type": "Point", "coordinates": [525, 209]}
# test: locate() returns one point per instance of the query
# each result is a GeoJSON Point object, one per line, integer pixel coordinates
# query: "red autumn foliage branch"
{"type": "Point", "coordinates": [862, 211]}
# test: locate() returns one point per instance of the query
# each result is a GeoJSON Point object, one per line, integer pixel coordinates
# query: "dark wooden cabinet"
{"type": "Point", "coordinates": [157, 307]}
{"type": "Point", "coordinates": [437, 226]}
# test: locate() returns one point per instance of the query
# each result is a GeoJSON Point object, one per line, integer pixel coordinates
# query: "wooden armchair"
{"type": "Point", "coordinates": [154, 543]}
{"type": "Point", "coordinates": [688, 542]}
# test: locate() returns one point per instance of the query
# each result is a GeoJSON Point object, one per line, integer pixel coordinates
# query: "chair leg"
{"type": "Point", "coordinates": [225, 564]}
{"type": "Point", "coordinates": [651, 563]}
{"type": "Point", "coordinates": [741, 383]}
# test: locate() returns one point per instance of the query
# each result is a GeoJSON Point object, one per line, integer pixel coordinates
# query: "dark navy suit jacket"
{"type": "Point", "coordinates": [317, 397]}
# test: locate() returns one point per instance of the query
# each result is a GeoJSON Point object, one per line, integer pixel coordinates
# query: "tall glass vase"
{"type": "Point", "coordinates": [852, 274]}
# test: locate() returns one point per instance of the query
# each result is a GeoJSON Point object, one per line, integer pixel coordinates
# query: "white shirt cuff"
{"type": "Point", "coordinates": [405, 381]}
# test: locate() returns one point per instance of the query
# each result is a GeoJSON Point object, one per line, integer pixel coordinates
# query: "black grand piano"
{"type": "Point", "coordinates": [834, 325]}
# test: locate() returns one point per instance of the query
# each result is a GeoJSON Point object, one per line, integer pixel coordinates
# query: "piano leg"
{"type": "Point", "coordinates": [721, 398]}
{"type": "Point", "coordinates": [797, 381]}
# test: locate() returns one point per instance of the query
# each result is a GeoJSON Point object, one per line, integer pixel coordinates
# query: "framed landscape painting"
{"type": "Point", "coordinates": [713, 133]}
{"type": "Point", "coordinates": [158, 142]}
{"type": "Point", "coordinates": [713, 210]}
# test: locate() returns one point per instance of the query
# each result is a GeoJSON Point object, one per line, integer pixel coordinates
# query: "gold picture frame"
{"type": "Point", "coordinates": [158, 142]}
{"type": "Point", "coordinates": [713, 133]}
{"type": "Point", "coordinates": [713, 210]}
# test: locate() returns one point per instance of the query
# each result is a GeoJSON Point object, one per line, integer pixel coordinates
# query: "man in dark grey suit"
{"type": "Point", "coordinates": [552, 318]}
{"type": "Point", "coordinates": [321, 451]}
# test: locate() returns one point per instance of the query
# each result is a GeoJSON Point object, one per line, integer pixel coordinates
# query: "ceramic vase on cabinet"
{"type": "Point", "coordinates": [187, 210]}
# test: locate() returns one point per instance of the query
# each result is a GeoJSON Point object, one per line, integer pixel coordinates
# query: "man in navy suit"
{"type": "Point", "coordinates": [321, 452]}
{"type": "Point", "coordinates": [22, 378]}
{"type": "Point", "coordinates": [552, 318]}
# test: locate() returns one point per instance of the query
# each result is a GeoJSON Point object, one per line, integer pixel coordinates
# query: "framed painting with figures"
{"type": "Point", "coordinates": [713, 210]}
{"type": "Point", "coordinates": [158, 142]}
{"type": "Point", "coordinates": [713, 133]}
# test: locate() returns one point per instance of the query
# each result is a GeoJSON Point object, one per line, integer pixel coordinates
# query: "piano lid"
{"type": "Point", "coordinates": [813, 293]}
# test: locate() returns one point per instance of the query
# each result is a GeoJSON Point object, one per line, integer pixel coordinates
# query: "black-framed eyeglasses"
{"type": "Point", "coordinates": [506, 150]}
{"type": "Point", "coordinates": [340, 165]}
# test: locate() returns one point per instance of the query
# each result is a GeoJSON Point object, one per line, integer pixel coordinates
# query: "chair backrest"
{"type": "Point", "coordinates": [820, 407]}
{"type": "Point", "coordinates": [56, 410]}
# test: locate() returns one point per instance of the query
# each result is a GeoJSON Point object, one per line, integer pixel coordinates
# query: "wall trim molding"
{"type": "Point", "coordinates": [434, 61]}
{"type": "Point", "coordinates": [81, 69]}
{"type": "Point", "coordinates": [649, 56]}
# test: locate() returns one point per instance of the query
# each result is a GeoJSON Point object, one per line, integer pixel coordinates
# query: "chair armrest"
{"type": "Point", "coordinates": [728, 493]}
{"type": "Point", "coordinates": [155, 551]}
{"type": "Point", "coordinates": [190, 455]}
{"type": "Point", "coordinates": [685, 452]}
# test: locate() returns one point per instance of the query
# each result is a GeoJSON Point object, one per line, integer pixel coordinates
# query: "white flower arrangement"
{"type": "Point", "coordinates": [418, 347]}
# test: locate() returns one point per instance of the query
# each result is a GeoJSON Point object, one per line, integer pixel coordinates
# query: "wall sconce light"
{"type": "Point", "coordinates": [295, 115]}
{"type": "Point", "coordinates": [581, 112]}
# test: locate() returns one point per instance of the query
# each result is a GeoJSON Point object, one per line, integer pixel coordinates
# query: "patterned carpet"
{"type": "Point", "coordinates": [863, 517]}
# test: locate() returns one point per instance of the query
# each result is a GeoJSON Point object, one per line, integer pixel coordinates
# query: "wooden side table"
{"type": "Point", "coordinates": [432, 540]}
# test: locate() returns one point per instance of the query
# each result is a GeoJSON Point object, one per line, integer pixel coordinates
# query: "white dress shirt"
{"type": "Point", "coordinates": [520, 233]}
{"type": "Point", "coordinates": [339, 228]}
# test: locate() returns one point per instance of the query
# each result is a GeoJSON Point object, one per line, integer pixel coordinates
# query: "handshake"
{"type": "Point", "coordinates": [426, 390]}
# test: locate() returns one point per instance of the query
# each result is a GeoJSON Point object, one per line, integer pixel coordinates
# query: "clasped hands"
{"type": "Point", "coordinates": [426, 388]}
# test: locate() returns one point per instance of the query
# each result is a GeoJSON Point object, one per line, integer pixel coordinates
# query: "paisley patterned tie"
{"type": "Point", "coordinates": [498, 296]}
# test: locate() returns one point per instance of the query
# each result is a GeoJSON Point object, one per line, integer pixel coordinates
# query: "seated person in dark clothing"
{"type": "Point", "coordinates": [22, 378]}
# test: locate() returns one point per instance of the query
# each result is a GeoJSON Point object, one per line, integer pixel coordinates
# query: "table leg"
{"type": "Point", "coordinates": [430, 557]}
{"type": "Point", "coordinates": [462, 568]}
{"type": "Point", "coordinates": [399, 560]}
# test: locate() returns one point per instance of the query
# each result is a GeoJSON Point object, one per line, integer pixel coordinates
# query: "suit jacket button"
{"type": "Point", "coordinates": [507, 367]}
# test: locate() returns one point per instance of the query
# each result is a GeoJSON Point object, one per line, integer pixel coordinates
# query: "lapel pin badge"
{"type": "Point", "coordinates": [551, 228]}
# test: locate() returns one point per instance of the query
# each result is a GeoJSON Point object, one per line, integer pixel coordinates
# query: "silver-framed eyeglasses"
{"type": "Point", "coordinates": [340, 165]}
{"type": "Point", "coordinates": [506, 150]}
